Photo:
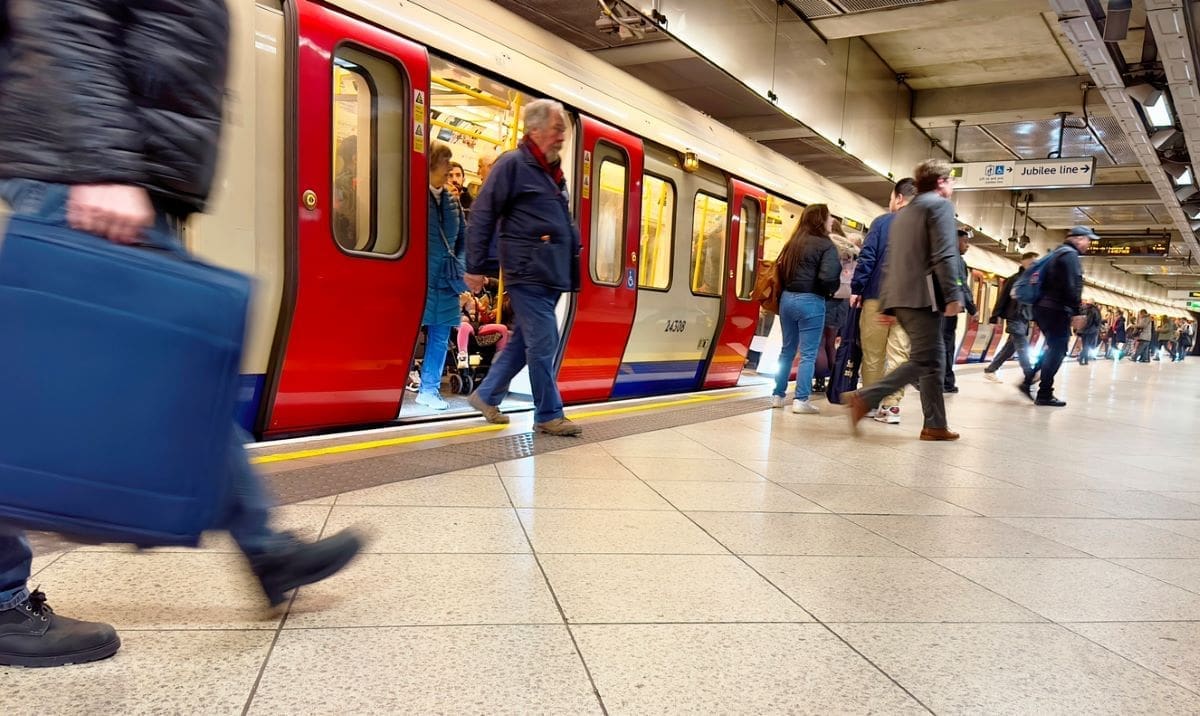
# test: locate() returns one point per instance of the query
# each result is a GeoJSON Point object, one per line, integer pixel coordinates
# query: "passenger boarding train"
{"type": "Point", "coordinates": [322, 197]}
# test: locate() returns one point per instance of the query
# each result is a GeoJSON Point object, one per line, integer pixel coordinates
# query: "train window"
{"type": "Point", "coordinates": [608, 223]}
{"type": "Point", "coordinates": [369, 130]}
{"type": "Point", "coordinates": [748, 234]}
{"type": "Point", "coordinates": [708, 244]}
{"type": "Point", "coordinates": [658, 223]}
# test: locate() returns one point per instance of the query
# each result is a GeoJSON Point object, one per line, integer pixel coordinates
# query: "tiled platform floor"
{"type": "Point", "coordinates": [767, 563]}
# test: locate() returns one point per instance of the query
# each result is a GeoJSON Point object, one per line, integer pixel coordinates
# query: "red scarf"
{"type": "Point", "coordinates": [554, 170]}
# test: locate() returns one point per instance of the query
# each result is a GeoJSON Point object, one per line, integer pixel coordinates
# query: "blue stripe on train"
{"type": "Point", "coordinates": [250, 389]}
{"type": "Point", "coordinates": [637, 380]}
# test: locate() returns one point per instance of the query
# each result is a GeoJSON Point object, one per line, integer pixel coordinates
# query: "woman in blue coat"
{"type": "Point", "coordinates": [446, 241]}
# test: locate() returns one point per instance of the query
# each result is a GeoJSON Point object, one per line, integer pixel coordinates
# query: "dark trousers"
{"type": "Point", "coordinates": [1055, 323]}
{"type": "Point", "coordinates": [926, 362]}
{"type": "Point", "coordinates": [949, 333]}
{"type": "Point", "coordinates": [1090, 340]}
{"type": "Point", "coordinates": [1018, 345]}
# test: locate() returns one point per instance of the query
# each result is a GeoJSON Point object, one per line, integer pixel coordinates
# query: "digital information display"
{"type": "Point", "coordinates": [1156, 246]}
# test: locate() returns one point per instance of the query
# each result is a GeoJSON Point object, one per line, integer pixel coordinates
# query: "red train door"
{"type": "Point", "coordinates": [355, 285]}
{"type": "Point", "coordinates": [610, 215]}
{"type": "Point", "coordinates": [747, 204]}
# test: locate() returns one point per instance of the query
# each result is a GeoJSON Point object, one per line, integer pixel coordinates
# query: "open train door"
{"type": "Point", "coordinates": [748, 206]}
{"type": "Point", "coordinates": [355, 255]}
{"type": "Point", "coordinates": [610, 204]}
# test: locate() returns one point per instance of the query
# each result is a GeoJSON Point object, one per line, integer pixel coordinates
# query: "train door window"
{"type": "Point", "coordinates": [709, 220]}
{"type": "Point", "coordinates": [748, 233]}
{"type": "Point", "coordinates": [479, 117]}
{"type": "Point", "coordinates": [658, 237]}
{"type": "Point", "coordinates": [783, 217]}
{"type": "Point", "coordinates": [608, 221]}
{"type": "Point", "coordinates": [369, 143]}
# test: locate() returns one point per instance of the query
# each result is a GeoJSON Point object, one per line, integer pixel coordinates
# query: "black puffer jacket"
{"type": "Point", "coordinates": [115, 91]}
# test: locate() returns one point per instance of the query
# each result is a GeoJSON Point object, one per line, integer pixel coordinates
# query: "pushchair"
{"type": "Point", "coordinates": [477, 340]}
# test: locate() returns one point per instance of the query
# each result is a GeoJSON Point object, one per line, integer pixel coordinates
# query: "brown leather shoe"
{"type": "Point", "coordinates": [561, 427]}
{"type": "Point", "coordinates": [938, 434]}
{"type": "Point", "coordinates": [491, 413]}
{"type": "Point", "coordinates": [858, 409]}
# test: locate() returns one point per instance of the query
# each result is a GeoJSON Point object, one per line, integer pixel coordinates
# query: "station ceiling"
{"type": "Point", "coordinates": [1003, 69]}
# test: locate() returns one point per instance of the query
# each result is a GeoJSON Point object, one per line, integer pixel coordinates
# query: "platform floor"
{"type": "Point", "coordinates": [762, 562]}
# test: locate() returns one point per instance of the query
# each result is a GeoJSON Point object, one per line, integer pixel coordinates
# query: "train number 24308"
{"type": "Point", "coordinates": [676, 326]}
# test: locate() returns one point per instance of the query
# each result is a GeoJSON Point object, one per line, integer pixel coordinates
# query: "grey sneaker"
{"type": "Point", "coordinates": [491, 413]}
{"type": "Point", "coordinates": [559, 426]}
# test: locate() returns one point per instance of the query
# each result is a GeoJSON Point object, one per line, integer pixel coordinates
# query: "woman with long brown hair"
{"type": "Point", "coordinates": [809, 271]}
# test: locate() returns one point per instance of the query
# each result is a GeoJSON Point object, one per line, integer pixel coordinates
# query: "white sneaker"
{"type": "Point", "coordinates": [776, 401]}
{"type": "Point", "coordinates": [804, 407]}
{"type": "Point", "coordinates": [991, 376]}
{"type": "Point", "coordinates": [891, 415]}
{"type": "Point", "coordinates": [432, 400]}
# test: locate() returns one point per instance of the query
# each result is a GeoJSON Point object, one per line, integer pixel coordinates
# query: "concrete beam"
{"type": "Point", "coordinates": [1004, 102]}
{"type": "Point", "coordinates": [1100, 195]}
{"type": "Point", "coordinates": [934, 16]}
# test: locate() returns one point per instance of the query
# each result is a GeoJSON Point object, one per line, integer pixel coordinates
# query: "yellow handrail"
{"type": "Point", "coordinates": [463, 130]}
{"type": "Point", "coordinates": [463, 89]}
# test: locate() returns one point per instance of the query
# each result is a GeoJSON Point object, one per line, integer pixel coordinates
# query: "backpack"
{"type": "Point", "coordinates": [1030, 286]}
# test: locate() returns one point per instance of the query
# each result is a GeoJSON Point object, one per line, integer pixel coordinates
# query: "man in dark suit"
{"type": "Point", "coordinates": [950, 323]}
{"type": "Point", "coordinates": [922, 282]}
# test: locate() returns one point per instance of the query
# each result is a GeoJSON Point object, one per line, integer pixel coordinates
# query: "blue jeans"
{"type": "Point", "coordinates": [534, 342]}
{"type": "Point", "coordinates": [801, 316]}
{"type": "Point", "coordinates": [246, 515]}
{"type": "Point", "coordinates": [437, 342]}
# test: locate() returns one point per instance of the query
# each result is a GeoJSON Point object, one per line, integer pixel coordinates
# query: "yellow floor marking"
{"type": "Point", "coordinates": [409, 439]}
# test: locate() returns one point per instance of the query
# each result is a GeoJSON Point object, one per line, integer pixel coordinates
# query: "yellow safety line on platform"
{"type": "Point", "coordinates": [409, 439]}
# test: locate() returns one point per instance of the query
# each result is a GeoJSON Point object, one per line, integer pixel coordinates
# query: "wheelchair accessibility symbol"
{"type": "Point", "coordinates": [630, 280]}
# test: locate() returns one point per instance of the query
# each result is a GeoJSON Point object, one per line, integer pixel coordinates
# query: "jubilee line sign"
{"type": "Point", "coordinates": [1183, 294]}
{"type": "Point", "coordinates": [1025, 174]}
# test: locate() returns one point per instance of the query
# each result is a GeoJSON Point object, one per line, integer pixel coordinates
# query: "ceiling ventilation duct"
{"type": "Point", "coordinates": [1080, 27]}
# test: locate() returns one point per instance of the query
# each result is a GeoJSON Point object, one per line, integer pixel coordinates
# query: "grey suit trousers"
{"type": "Point", "coordinates": [926, 362]}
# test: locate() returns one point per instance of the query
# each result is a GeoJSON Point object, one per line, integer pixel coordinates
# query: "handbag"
{"type": "Point", "coordinates": [453, 270]}
{"type": "Point", "coordinates": [119, 375]}
{"type": "Point", "coordinates": [767, 287]}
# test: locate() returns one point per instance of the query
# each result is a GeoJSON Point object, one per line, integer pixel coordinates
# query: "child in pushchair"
{"type": "Point", "coordinates": [478, 341]}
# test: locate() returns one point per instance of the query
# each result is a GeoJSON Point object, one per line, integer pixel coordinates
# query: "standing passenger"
{"type": "Point", "coordinates": [524, 205]}
{"type": "Point", "coordinates": [836, 306]}
{"type": "Point", "coordinates": [884, 345]}
{"type": "Point", "coordinates": [446, 239]}
{"type": "Point", "coordinates": [950, 323]}
{"type": "Point", "coordinates": [809, 271]}
{"type": "Point", "coordinates": [921, 284]}
{"type": "Point", "coordinates": [116, 134]}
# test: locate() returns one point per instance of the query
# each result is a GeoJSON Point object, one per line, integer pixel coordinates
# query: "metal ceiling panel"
{"type": "Point", "coordinates": [1160, 213]}
{"type": "Point", "coordinates": [1108, 131]}
{"type": "Point", "coordinates": [1059, 217]}
{"type": "Point", "coordinates": [815, 9]}
{"type": "Point", "coordinates": [1039, 139]}
{"type": "Point", "coordinates": [1120, 214]}
{"type": "Point", "coordinates": [974, 144]}
{"type": "Point", "coordinates": [869, 5]}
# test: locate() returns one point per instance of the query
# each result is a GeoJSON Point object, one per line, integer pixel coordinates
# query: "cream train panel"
{"type": "Point", "coordinates": [509, 46]}
{"type": "Point", "coordinates": [243, 228]}
{"type": "Point", "coordinates": [672, 329]}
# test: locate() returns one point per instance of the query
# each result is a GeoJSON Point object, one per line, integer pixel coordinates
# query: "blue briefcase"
{"type": "Point", "coordinates": [118, 373]}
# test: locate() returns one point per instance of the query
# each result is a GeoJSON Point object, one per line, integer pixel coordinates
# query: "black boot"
{"type": "Point", "coordinates": [31, 634]}
{"type": "Point", "coordinates": [296, 564]}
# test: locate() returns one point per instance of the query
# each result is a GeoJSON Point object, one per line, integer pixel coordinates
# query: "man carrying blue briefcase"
{"type": "Point", "coordinates": [105, 150]}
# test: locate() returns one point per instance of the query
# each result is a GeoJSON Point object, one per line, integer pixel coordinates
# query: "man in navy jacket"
{"type": "Point", "coordinates": [524, 206]}
{"type": "Point", "coordinates": [884, 345]}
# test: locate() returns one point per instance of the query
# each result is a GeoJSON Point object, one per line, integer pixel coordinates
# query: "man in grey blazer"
{"type": "Point", "coordinates": [923, 281]}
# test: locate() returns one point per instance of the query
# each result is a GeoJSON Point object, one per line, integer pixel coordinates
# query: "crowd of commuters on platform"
{"type": "Point", "coordinates": [909, 283]}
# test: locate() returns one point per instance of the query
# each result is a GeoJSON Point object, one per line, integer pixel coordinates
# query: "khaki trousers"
{"type": "Point", "coordinates": [885, 348]}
